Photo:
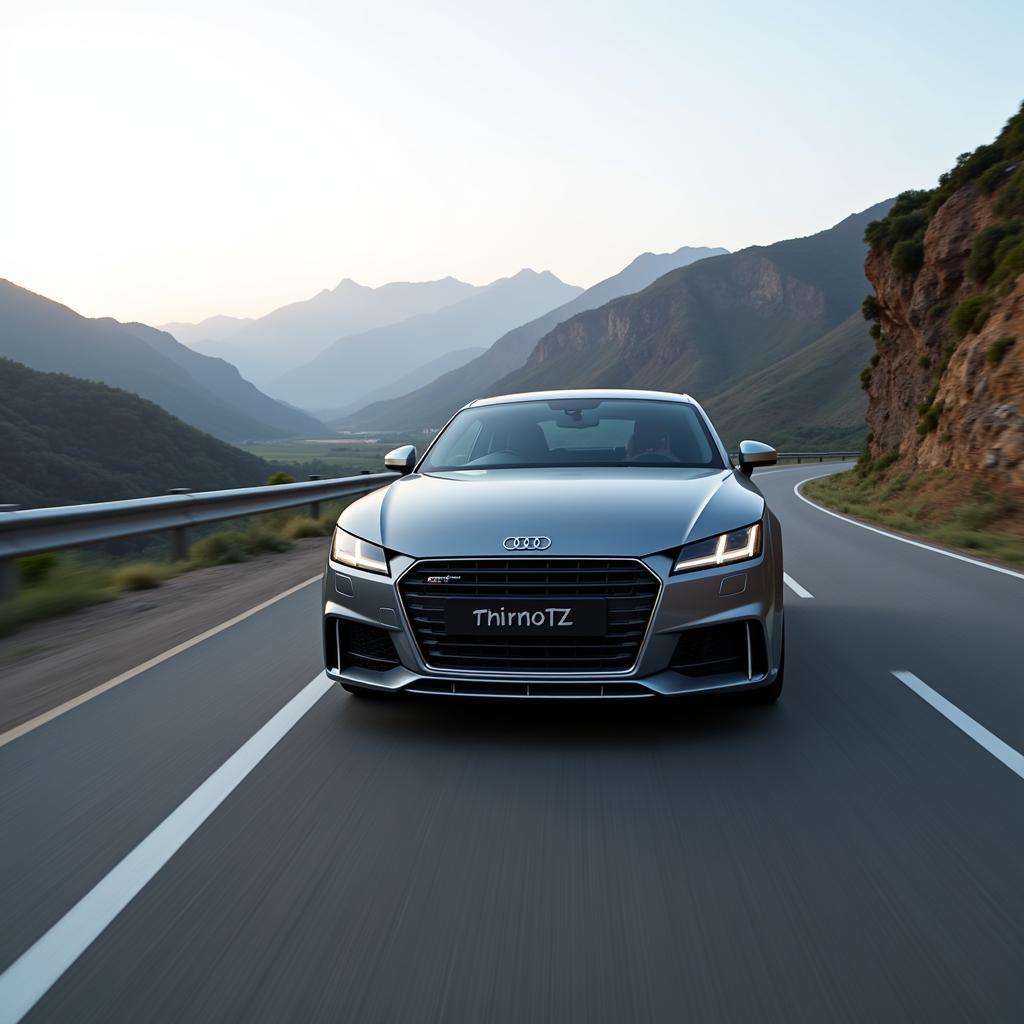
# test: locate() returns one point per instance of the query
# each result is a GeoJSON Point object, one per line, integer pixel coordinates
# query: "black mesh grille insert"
{"type": "Point", "coordinates": [628, 587]}
{"type": "Point", "coordinates": [722, 650]}
{"type": "Point", "coordinates": [566, 690]}
{"type": "Point", "coordinates": [351, 644]}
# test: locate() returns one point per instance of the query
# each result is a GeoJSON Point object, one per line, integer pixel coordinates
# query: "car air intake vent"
{"type": "Point", "coordinates": [732, 648]}
{"type": "Point", "coordinates": [628, 588]}
{"type": "Point", "coordinates": [354, 645]}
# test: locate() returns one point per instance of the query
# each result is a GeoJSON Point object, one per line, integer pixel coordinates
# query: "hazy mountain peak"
{"type": "Point", "coordinates": [347, 286]}
{"type": "Point", "coordinates": [296, 332]}
{"type": "Point", "coordinates": [431, 404]}
{"type": "Point", "coordinates": [358, 362]}
{"type": "Point", "coordinates": [684, 254]}
{"type": "Point", "coordinates": [528, 273]}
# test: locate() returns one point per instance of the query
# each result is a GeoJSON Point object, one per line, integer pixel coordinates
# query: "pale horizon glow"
{"type": "Point", "coordinates": [172, 161]}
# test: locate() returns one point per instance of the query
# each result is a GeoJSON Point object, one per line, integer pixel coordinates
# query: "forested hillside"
{"type": "Point", "coordinates": [66, 440]}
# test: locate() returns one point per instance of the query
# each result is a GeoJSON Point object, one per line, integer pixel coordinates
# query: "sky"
{"type": "Point", "coordinates": [173, 160]}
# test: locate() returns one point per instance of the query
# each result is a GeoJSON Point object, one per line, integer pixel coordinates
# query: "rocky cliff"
{"type": "Point", "coordinates": [946, 382]}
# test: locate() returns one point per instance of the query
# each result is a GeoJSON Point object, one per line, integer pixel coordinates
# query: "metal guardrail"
{"type": "Point", "coordinates": [820, 456]}
{"type": "Point", "coordinates": [36, 530]}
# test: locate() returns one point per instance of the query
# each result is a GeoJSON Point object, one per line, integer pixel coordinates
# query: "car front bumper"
{"type": "Point", "coordinates": [744, 600]}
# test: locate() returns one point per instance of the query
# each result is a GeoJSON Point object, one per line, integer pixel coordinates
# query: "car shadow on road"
{"type": "Point", "coordinates": [415, 719]}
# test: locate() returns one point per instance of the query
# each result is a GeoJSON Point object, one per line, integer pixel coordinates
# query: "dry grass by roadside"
{"type": "Point", "coordinates": [950, 508]}
{"type": "Point", "coordinates": [57, 584]}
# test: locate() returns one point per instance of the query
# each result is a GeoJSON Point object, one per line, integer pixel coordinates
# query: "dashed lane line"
{"type": "Point", "coordinates": [1001, 751]}
{"type": "Point", "coordinates": [795, 587]}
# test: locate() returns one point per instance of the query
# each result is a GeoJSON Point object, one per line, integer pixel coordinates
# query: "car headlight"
{"type": "Point", "coordinates": [360, 554]}
{"type": "Point", "coordinates": [734, 546]}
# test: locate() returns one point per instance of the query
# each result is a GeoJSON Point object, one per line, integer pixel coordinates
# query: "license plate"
{"type": "Point", "coordinates": [532, 617]}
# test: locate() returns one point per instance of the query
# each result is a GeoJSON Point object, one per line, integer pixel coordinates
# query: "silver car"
{"type": "Point", "coordinates": [561, 544]}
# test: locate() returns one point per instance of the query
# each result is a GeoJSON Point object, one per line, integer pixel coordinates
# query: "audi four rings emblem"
{"type": "Point", "coordinates": [526, 543]}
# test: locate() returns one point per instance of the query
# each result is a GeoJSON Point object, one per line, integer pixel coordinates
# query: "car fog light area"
{"type": "Point", "coordinates": [726, 548]}
{"type": "Point", "coordinates": [358, 553]}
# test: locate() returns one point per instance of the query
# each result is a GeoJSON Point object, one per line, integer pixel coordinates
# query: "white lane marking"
{"type": "Point", "coordinates": [794, 586]}
{"type": "Point", "coordinates": [60, 709]}
{"type": "Point", "coordinates": [993, 744]}
{"type": "Point", "coordinates": [29, 978]}
{"type": "Point", "coordinates": [906, 540]}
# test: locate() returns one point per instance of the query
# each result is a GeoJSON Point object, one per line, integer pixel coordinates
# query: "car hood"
{"type": "Point", "coordinates": [587, 511]}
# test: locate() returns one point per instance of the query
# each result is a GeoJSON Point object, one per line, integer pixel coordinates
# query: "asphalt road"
{"type": "Point", "coordinates": [849, 854]}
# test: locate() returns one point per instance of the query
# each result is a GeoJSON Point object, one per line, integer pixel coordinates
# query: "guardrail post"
{"type": "Point", "coordinates": [8, 579]}
{"type": "Point", "coordinates": [179, 535]}
{"type": "Point", "coordinates": [314, 506]}
{"type": "Point", "coordinates": [179, 544]}
{"type": "Point", "coordinates": [8, 568]}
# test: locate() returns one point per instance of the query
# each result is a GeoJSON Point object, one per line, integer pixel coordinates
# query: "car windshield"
{"type": "Point", "coordinates": [571, 432]}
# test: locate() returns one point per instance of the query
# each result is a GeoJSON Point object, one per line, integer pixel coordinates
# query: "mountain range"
{"type": "Point", "coordinates": [768, 338]}
{"type": "Point", "coordinates": [434, 401]}
{"type": "Point", "coordinates": [359, 364]}
{"type": "Point", "coordinates": [743, 332]}
{"type": "Point", "coordinates": [205, 392]}
{"type": "Point", "coordinates": [265, 348]}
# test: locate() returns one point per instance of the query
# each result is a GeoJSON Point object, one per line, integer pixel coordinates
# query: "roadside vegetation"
{"type": "Point", "coordinates": [943, 506]}
{"type": "Point", "coordinates": [60, 583]}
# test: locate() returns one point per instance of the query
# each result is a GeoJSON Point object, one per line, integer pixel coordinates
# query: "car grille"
{"type": "Point", "coordinates": [628, 586]}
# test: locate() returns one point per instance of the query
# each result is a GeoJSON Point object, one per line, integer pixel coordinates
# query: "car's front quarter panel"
{"type": "Point", "coordinates": [735, 502]}
{"type": "Point", "coordinates": [363, 516]}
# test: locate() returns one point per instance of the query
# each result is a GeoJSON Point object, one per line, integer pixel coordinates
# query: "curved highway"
{"type": "Point", "coordinates": [227, 837]}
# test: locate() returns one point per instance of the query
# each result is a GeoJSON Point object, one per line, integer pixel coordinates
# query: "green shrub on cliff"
{"type": "Point", "coordinates": [993, 246]}
{"type": "Point", "coordinates": [970, 316]}
{"type": "Point", "coordinates": [999, 348]}
{"type": "Point", "coordinates": [905, 221]}
{"type": "Point", "coordinates": [908, 256]}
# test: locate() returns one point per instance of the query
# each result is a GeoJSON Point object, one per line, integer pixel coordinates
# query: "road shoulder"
{"type": "Point", "coordinates": [49, 663]}
{"type": "Point", "coordinates": [923, 541]}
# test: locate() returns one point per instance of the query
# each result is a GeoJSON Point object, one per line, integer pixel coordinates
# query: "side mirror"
{"type": "Point", "coordinates": [401, 460]}
{"type": "Point", "coordinates": [754, 454]}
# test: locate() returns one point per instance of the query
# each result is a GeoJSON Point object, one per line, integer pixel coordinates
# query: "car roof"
{"type": "Point", "coordinates": [582, 393]}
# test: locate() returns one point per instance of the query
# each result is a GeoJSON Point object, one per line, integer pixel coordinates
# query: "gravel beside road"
{"type": "Point", "coordinates": [48, 663]}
